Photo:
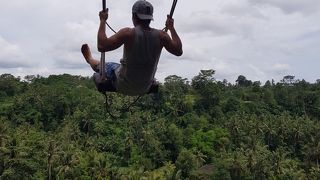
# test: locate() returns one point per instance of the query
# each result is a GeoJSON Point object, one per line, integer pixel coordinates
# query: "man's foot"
{"type": "Point", "coordinates": [86, 53]}
{"type": "Point", "coordinates": [88, 56]}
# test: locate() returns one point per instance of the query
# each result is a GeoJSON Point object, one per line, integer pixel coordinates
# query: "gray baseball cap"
{"type": "Point", "coordinates": [143, 9]}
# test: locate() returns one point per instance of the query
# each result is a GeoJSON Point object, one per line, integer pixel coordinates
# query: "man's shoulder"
{"type": "Point", "coordinates": [164, 37]}
{"type": "Point", "coordinates": [126, 31]}
{"type": "Point", "coordinates": [162, 33]}
{"type": "Point", "coordinates": [125, 34]}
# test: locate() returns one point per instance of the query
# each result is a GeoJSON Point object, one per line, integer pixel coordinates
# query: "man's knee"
{"type": "Point", "coordinates": [95, 68]}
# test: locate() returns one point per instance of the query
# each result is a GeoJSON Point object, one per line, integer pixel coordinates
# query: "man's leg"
{"type": "Point", "coordinates": [88, 56]}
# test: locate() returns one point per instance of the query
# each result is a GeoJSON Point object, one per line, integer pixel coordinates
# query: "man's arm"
{"type": "Point", "coordinates": [174, 45]}
{"type": "Point", "coordinates": [114, 41]}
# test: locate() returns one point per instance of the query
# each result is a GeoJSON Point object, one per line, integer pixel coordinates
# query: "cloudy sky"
{"type": "Point", "coordinates": [260, 39]}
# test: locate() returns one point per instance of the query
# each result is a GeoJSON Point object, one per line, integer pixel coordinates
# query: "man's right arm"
{"type": "Point", "coordinates": [115, 41]}
{"type": "Point", "coordinates": [173, 44]}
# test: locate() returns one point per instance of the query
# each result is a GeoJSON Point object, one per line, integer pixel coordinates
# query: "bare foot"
{"type": "Point", "coordinates": [88, 56]}
{"type": "Point", "coordinates": [86, 53]}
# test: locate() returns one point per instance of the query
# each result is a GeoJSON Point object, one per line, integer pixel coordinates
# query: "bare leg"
{"type": "Point", "coordinates": [88, 56]}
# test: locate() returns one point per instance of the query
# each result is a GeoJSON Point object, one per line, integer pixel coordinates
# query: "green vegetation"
{"type": "Point", "coordinates": [57, 128]}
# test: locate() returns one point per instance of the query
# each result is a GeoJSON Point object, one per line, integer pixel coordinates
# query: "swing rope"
{"type": "Point", "coordinates": [173, 7]}
{"type": "Point", "coordinates": [125, 108]}
{"type": "Point", "coordinates": [110, 27]}
{"type": "Point", "coordinates": [107, 104]}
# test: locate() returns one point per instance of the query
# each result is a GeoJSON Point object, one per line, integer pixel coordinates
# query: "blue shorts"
{"type": "Point", "coordinates": [110, 70]}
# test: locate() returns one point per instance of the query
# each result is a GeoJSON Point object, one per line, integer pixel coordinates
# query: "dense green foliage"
{"type": "Point", "coordinates": [57, 128]}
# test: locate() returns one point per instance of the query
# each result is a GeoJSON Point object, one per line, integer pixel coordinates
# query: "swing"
{"type": "Point", "coordinates": [105, 85]}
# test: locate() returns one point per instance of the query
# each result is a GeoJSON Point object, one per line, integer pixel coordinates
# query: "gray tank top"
{"type": "Point", "coordinates": [139, 63]}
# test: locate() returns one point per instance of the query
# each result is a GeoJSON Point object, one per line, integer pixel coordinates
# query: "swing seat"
{"type": "Point", "coordinates": [108, 85]}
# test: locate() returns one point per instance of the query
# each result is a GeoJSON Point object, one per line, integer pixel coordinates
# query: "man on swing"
{"type": "Point", "coordinates": [142, 48]}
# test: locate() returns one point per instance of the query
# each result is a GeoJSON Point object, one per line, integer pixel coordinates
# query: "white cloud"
{"type": "Point", "coordinates": [11, 55]}
{"type": "Point", "coordinates": [65, 51]}
{"type": "Point", "coordinates": [292, 6]}
{"type": "Point", "coordinates": [281, 67]}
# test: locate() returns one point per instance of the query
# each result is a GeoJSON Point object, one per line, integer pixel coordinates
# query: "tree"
{"type": "Point", "coordinates": [10, 85]}
{"type": "Point", "coordinates": [55, 128]}
{"type": "Point", "coordinates": [186, 163]}
{"type": "Point", "coordinates": [267, 84]}
{"type": "Point", "coordinates": [242, 81]}
{"type": "Point", "coordinates": [289, 80]}
{"type": "Point", "coordinates": [4, 137]}
{"type": "Point", "coordinates": [174, 141]}
{"type": "Point", "coordinates": [207, 90]}
{"type": "Point", "coordinates": [204, 78]}
{"type": "Point", "coordinates": [175, 95]}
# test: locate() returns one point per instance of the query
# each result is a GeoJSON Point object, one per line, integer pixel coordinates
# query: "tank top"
{"type": "Point", "coordinates": [139, 63]}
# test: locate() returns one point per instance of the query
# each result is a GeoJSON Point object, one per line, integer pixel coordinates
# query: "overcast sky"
{"type": "Point", "coordinates": [260, 39]}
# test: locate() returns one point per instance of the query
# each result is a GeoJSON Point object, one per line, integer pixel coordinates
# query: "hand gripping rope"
{"type": "Point", "coordinates": [103, 54]}
{"type": "Point", "coordinates": [173, 7]}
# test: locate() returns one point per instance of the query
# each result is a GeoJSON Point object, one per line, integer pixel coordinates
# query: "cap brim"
{"type": "Point", "coordinates": [145, 17]}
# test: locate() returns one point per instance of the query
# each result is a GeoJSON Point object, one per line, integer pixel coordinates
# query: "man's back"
{"type": "Point", "coordinates": [139, 62]}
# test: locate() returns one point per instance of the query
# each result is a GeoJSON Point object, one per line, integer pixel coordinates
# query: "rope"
{"type": "Point", "coordinates": [124, 108]}
{"type": "Point", "coordinates": [173, 7]}
{"type": "Point", "coordinates": [108, 106]}
{"type": "Point", "coordinates": [111, 28]}
{"type": "Point", "coordinates": [102, 59]}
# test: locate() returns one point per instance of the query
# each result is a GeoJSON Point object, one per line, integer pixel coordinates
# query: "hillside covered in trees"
{"type": "Point", "coordinates": [57, 127]}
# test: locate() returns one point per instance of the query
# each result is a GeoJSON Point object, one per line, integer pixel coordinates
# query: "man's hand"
{"type": "Point", "coordinates": [104, 14]}
{"type": "Point", "coordinates": [169, 23]}
{"type": "Point", "coordinates": [172, 44]}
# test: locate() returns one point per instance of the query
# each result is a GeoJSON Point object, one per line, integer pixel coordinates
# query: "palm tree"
{"type": "Point", "coordinates": [68, 158]}
{"type": "Point", "coordinates": [3, 138]}
{"type": "Point", "coordinates": [312, 152]}
{"type": "Point", "coordinates": [3, 133]}
{"type": "Point", "coordinates": [52, 155]}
